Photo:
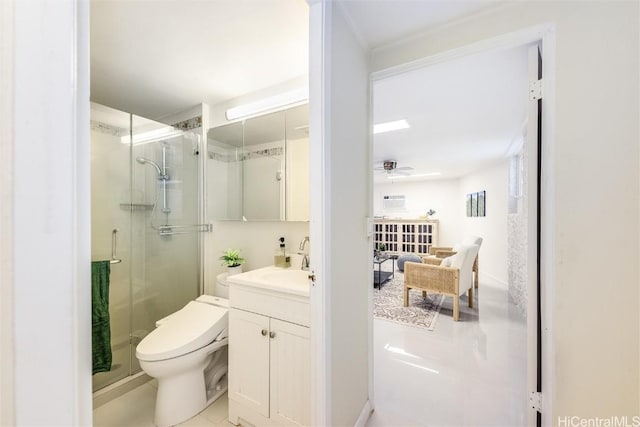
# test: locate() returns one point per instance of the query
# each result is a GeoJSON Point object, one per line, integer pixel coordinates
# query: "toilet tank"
{"type": "Point", "coordinates": [222, 286]}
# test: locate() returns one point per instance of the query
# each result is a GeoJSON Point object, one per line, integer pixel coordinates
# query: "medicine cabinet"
{"type": "Point", "coordinates": [258, 169]}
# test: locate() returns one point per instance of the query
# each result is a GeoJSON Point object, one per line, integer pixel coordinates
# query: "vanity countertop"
{"type": "Point", "coordinates": [285, 280]}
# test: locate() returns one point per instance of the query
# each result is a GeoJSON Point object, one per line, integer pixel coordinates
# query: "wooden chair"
{"type": "Point", "coordinates": [447, 251]}
{"type": "Point", "coordinates": [452, 280]}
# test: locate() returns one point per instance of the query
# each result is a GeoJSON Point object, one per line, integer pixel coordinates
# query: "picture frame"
{"type": "Point", "coordinates": [482, 197]}
{"type": "Point", "coordinates": [474, 204]}
{"type": "Point", "coordinates": [469, 204]}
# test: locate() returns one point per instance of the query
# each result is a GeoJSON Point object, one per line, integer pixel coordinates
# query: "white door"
{"type": "Point", "coordinates": [249, 360]}
{"type": "Point", "coordinates": [290, 374]}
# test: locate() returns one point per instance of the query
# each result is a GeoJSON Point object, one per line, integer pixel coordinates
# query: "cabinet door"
{"type": "Point", "coordinates": [290, 374]}
{"type": "Point", "coordinates": [249, 360]}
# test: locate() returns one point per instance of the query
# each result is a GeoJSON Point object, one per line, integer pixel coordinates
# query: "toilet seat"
{"type": "Point", "coordinates": [185, 331]}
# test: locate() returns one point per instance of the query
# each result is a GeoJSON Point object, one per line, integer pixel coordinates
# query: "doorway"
{"type": "Point", "coordinates": [451, 364]}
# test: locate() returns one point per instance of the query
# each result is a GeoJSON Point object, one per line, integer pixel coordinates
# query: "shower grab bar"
{"type": "Point", "coordinates": [114, 242]}
{"type": "Point", "coordinates": [168, 230]}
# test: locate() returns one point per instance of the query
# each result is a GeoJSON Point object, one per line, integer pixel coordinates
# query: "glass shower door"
{"type": "Point", "coordinates": [110, 227]}
{"type": "Point", "coordinates": [144, 202]}
{"type": "Point", "coordinates": [165, 253]}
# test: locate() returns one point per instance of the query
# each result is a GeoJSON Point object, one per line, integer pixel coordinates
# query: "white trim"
{"type": "Point", "coordinates": [320, 208]}
{"type": "Point", "coordinates": [353, 27]}
{"type": "Point", "coordinates": [367, 409]}
{"type": "Point", "coordinates": [370, 232]}
{"type": "Point", "coordinates": [394, 44]}
{"type": "Point", "coordinates": [506, 41]}
{"type": "Point", "coordinates": [7, 385]}
{"type": "Point", "coordinates": [545, 35]}
{"type": "Point", "coordinates": [51, 213]}
{"type": "Point", "coordinates": [548, 47]}
{"type": "Point", "coordinates": [81, 190]}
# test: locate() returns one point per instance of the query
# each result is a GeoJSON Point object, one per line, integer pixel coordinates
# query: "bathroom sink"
{"type": "Point", "coordinates": [288, 280]}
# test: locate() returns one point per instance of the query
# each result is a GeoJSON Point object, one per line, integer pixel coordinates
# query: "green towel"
{"type": "Point", "coordinates": [101, 329]}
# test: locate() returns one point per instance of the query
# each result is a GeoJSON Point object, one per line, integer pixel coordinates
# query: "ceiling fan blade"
{"type": "Point", "coordinates": [404, 168]}
{"type": "Point", "coordinates": [399, 173]}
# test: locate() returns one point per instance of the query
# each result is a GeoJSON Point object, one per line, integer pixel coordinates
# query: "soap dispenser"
{"type": "Point", "coordinates": [281, 259]}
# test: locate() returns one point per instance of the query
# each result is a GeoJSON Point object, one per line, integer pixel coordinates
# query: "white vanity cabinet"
{"type": "Point", "coordinates": [269, 368]}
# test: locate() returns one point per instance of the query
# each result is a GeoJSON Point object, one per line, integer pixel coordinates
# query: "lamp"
{"type": "Point", "coordinates": [275, 102]}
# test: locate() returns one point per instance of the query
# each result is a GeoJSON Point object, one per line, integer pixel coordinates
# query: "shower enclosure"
{"type": "Point", "coordinates": [145, 215]}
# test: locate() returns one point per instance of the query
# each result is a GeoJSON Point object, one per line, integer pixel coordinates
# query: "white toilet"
{"type": "Point", "coordinates": [187, 353]}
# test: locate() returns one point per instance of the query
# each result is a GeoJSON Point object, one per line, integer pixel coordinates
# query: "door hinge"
{"type": "Point", "coordinates": [535, 90]}
{"type": "Point", "coordinates": [535, 400]}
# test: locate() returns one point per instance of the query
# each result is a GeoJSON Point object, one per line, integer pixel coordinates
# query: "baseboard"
{"type": "Point", "coordinates": [364, 414]}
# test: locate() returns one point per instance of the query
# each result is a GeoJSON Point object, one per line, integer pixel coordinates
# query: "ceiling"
{"type": "Point", "coordinates": [464, 114]}
{"type": "Point", "coordinates": [158, 57]}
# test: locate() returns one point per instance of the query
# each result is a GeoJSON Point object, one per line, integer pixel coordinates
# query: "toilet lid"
{"type": "Point", "coordinates": [187, 330]}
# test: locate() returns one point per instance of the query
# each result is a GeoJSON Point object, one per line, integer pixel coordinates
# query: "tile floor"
{"type": "Point", "coordinates": [467, 373]}
{"type": "Point", "coordinates": [136, 408]}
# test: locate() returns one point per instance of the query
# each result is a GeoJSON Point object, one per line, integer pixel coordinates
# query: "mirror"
{"type": "Point", "coordinates": [224, 172]}
{"type": "Point", "coordinates": [258, 170]}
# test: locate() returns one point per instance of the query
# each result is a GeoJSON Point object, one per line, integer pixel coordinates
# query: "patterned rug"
{"type": "Point", "coordinates": [388, 305]}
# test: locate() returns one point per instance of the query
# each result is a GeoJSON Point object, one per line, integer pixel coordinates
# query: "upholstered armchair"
{"type": "Point", "coordinates": [446, 251]}
{"type": "Point", "coordinates": [449, 280]}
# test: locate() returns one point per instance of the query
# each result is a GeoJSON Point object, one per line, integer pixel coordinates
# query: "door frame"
{"type": "Point", "coordinates": [545, 37]}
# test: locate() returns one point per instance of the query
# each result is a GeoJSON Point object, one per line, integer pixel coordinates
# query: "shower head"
{"type": "Point", "coordinates": [143, 161]}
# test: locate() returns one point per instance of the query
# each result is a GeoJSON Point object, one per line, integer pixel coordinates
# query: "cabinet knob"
{"type": "Point", "coordinates": [264, 332]}
{"type": "Point", "coordinates": [272, 334]}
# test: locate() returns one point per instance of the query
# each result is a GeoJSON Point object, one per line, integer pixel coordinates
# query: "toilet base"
{"type": "Point", "coordinates": [188, 384]}
{"type": "Point", "coordinates": [174, 404]}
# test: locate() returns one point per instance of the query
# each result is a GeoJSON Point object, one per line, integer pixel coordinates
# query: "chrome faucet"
{"type": "Point", "coordinates": [305, 256]}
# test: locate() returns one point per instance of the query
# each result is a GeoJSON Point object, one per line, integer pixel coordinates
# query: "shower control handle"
{"type": "Point", "coordinates": [264, 332]}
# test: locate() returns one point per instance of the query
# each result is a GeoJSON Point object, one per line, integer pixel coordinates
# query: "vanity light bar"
{"type": "Point", "coordinates": [390, 126]}
{"type": "Point", "coordinates": [159, 134]}
{"type": "Point", "coordinates": [281, 100]}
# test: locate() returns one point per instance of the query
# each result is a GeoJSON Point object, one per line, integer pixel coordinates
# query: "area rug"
{"type": "Point", "coordinates": [421, 312]}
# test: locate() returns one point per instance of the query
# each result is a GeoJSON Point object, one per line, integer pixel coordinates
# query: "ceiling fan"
{"type": "Point", "coordinates": [390, 167]}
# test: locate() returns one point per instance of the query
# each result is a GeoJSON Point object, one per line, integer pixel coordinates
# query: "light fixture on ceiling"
{"type": "Point", "coordinates": [420, 175]}
{"type": "Point", "coordinates": [154, 135]}
{"type": "Point", "coordinates": [271, 103]}
{"type": "Point", "coordinates": [390, 126]}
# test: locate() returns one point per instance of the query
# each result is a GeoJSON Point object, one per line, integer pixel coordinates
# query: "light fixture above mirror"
{"type": "Point", "coordinates": [270, 104]}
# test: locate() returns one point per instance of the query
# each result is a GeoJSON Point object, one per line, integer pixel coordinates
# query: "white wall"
{"type": "Point", "coordinates": [493, 227]}
{"type": "Point", "coordinates": [347, 185]}
{"type": "Point", "coordinates": [441, 196]}
{"type": "Point", "coordinates": [595, 330]}
{"type": "Point", "coordinates": [51, 206]}
{"type": "Point", "coordinates": [257, 242]}
{"type": "Point", "coordinates": [7, 344]}
{"type": "Point", "coordinates": [447, 198]}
